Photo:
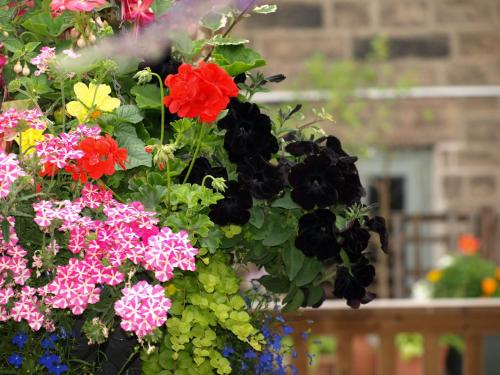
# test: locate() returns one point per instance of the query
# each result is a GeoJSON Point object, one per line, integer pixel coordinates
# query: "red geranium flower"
{"type": "Point", "coordinates": [101, 156]}
{"type": "Point", "coordinates": [203, 91]}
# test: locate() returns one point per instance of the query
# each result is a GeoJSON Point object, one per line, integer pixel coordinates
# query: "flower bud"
{"type": "Point", "coordinates": [74, 33]}
{"type": "Point", "coordinates": [5, 34]}
{"type": "Point", "coordinates": [143, 76]}
{"type": "Point", "coordinates": [81, 42]}
{"type": "Point", "coordinates": [26, 70]}
{"type": "Point", "coordinates": [148, 149]}
{"type": "Point", "coordinates": [18, 68]}
{"type": "Point", "coordinates": [92, 38]}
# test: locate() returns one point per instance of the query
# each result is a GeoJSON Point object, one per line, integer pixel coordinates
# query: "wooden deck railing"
{"type": "Point", "coordinates": [470, 318]}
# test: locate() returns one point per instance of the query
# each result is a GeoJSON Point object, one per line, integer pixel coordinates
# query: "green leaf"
{"type": "Point", "coordinates": [285, 202]}
{"type": "Point", "coordinates": [257, 217]}
{"type": "Point", "coordinates": [13, 44]}
{"type": "Point", "coordinates": [293, 259]}
{"type": "Point", "coordinates": [265, 9]}
{"type": "Point", "coordinates": [237, 59]}
{"type": "Point", "coordinates": [31, 46]}
{"type": "Point", "coordinates": [147, 96]}
{"type": "Point", "coordinates": [275, 284]}
{"type": "Point", "coordinates": [314, 295]}
{"type": "Point", "coordinates": [5, 230]}
{"type": "Point", "coordinates": [310, 269]}
{"type": "Point", "coordinates": [161, 6]}
{"type": "Point", "coordinates": [129, 113]}
{"type": "Point", "coordinates": [214, 21]}
{"type": "Point", "coordinates": [44, 24]}
{"type": "Point", "coordinates": [277, 234]}
{"type": "Point", "coordinates": [219, 40]}
{"type": "Point", "coordinates": [126, 136]}
{"type": "Point", "coordinates": [295, 303]}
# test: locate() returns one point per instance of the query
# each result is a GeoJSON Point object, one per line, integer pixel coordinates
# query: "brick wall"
{"type": "Point", "coordinates": [441, 42]}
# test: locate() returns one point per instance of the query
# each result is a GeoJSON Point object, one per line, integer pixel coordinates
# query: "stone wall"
{"type": "Point", "coordinates": [440, 42]}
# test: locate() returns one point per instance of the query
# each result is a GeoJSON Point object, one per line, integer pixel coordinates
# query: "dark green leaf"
{"type": "Point", "coordinates": [147, 96]}
{"type": "Point", "coordinates": [308, 272]}
{"type": "Point", "coordinates": [314, 295]}
{"type": "Point", "coordinates": [236, 59]}
{"type": "Point", "coordinates": [5, 230]}
{"type": "Point", "coordinates": [275, 284]}
{"type": "Point", "coordinates": [293, 259]}
{"type": "Point", "coordinates": [285, 202]}
{"type": "Point", "coordinates": [127, 137]}
{"type": "Point", "coordinates": [44, 24]}
{"type": "Point", "coordinates": [295, 303]}
{"type": "Point", "coordinates": [129, 113]}
{"type": "Point", "coordinates": [257, 217]}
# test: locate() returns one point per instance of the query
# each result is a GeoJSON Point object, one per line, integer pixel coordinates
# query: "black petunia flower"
{"type": "Point", "coordinates": [377, 225]}
{"type": "Point", "coordinates": [352, 285]}
{"type": "Point", "coordinates": [317, 235]}
{"type": "Point", "coordinates": [233, 209]}
{"type": "Point", "coordinates": [315, 182]}
{"type": "Point", "coordinates": [202, 168]}
{"type": "Point", "coordinates": [301, 148]}
{"type": "Point", "coordinates": [262, 179]}
{"type": "Point", "coordinates": [248, 132]}
{"type": "Point", "coordinates": [354, 240]}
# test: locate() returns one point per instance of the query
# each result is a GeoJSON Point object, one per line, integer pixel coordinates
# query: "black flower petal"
{"type": "Point", "coordinates": [352, 190]}
{"type": "Point", "coordinates": [317, 235]}
{"type": "Point", "coordinates": [354, 240]}
{"type": "Point", "coordinates": [334, 145]}
{"type": "Point", "coordinates": [248, 132]}
{"type": "Point", "coordinates": [352, 285]}
{"type": "Point", "coordinates": [315, 182]}
{"type": "Point", "coordinates": [301, 148]}
{"type": "Point", "coordinates": [262, 179]}
{"type": "Point", "coordinates": [377, 225]}
{"type": "Point", "coordinates": [233, 209]}
{"type": "Point", "coordinates": [202, 168]}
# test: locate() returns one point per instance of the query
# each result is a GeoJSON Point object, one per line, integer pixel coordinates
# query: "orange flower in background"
{"type": "Point", "coordinates": [489, 286]}
{"type": "Point", "coordinates": [434, 276]}
{"type": "Point", "coordinates": [468, 244]}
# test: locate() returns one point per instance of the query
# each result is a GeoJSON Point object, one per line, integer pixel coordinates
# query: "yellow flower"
{"type": "Point", "coordinates": [28, 139]}
{"type": "Point", "coordinates": [92, 101]}
{"type": "Point", "coordinates": [434, 276]}
{"type": "Point", "coordinates": [171, 289]}
{"type": "Point", "coordinates": [489, 286]}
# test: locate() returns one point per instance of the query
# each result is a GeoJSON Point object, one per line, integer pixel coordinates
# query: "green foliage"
{"type": "Point", "coordinates": [127, 138]}
{"type": "Point", "coordinates": [237, 59]}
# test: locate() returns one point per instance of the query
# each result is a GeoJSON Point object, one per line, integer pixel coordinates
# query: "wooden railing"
{"type": "Point", "coordinates": [470, 318]}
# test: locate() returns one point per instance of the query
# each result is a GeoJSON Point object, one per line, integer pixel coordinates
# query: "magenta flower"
{"type": "Point", "coordinates": [138, 11]}
{"type": "Point", "coordinates": [43, 59]}
{"type": "Point", "coordinates": [9, 172]}
{"type": "Point", "coordinates": [58, 6]}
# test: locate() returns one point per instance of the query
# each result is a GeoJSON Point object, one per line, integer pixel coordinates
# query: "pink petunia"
{"type": "Point", "coordinates": [76, 5]}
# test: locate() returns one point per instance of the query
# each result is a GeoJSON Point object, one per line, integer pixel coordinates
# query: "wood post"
{"type": "Point", "coordinates": [432, 365]}
{"type": "Point", "coordinates": [473, 356]}
{"type": "Point", "coordinates": [387, 355]}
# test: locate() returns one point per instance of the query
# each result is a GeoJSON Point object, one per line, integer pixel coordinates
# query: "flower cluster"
{"type": "Point", "coordinates": [12, 120]}
{"type": "Point", "coordinates": [138, 11]}
{"type": "Point", "coordinates": [199, 92]}
{"type": "Point", "coordinates": [47, 54]}
{"type": "Point", "coordinates": [142, 308]}
{"type": "Point", "coordinates": [10, 171]}
{"type": "Point", "coordinates": [82, 152]}
{"type": "Point", "coordinates": [129, 233]}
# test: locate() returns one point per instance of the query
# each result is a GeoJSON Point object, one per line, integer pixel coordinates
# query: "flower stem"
{"type": "Point", "coordinates": [196, 151]}
{"type": "Point", "coordinates": [162, 96]}
{"type": "Point", "coordinates": [63, 98]}
{"type": "Point", "coordinates": [168, 184]}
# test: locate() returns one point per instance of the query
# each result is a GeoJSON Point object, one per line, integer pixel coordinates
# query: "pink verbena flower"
{"type": "Point", "coordinates": [27, 307]}
{"type": "Point", "coordinates": [169, 250]}
{"type": "Point", "coordinates": [9, 120]}
{"type": "Point", "coordinates": [142, 308]}
{"type": "Point", "coordinates": [42, 61]}
{"type": "Point", "coordinates": [9, 172]}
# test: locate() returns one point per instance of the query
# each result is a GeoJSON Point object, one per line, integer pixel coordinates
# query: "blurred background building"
{"type": "Point", "coordinates": [433, 166]}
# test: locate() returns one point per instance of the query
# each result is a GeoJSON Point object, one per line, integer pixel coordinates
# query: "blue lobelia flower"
{"type": "Point", "coordinates": [49, 360]}
{"type": "Point", "coordinates": [48, 342]}
{"type": "Point", "coordinates": [249, 354]}
{"type": "Point", "coordinates": [16, 360]}
{"type": "Point", "coordinates": [20, 339]}
{"type": "Point", "coordinates": [227, 351]}
{"type": "Point", "coordinates": [58, 369]}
